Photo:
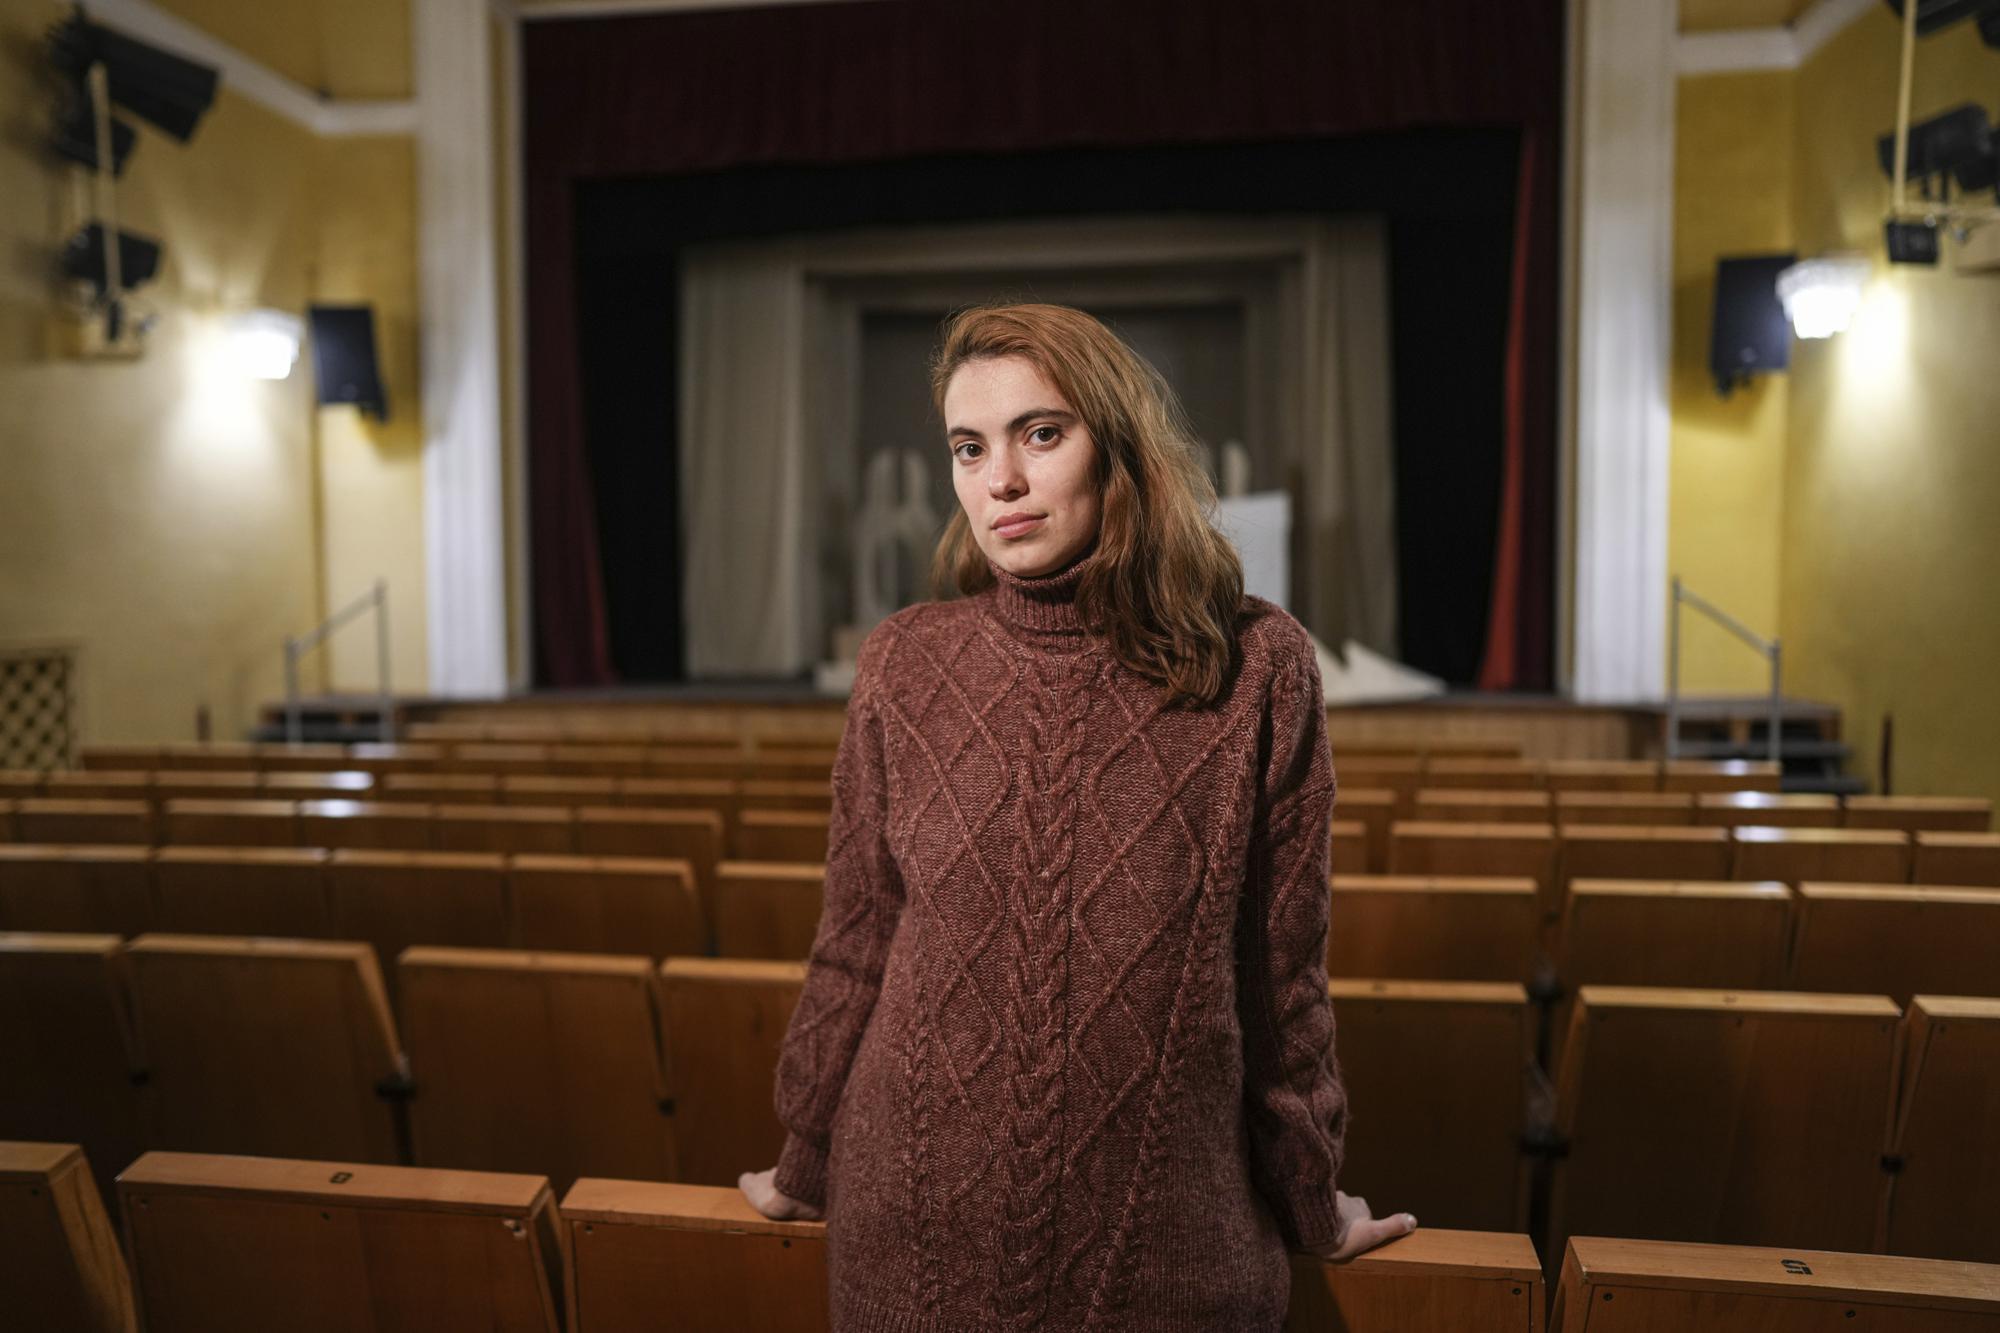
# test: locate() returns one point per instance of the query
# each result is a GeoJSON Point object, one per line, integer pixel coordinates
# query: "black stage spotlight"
{"type": "Point", "coordinates": [1959, 141]}
{"type": "Point", "coordinates": [83, 257]}
{"type": "Point", "coordinates": [1935, 14]}
{"type": "Point", "coordinates": [343, 348]}
{"type": "Point", "coordinates": [160, 88]}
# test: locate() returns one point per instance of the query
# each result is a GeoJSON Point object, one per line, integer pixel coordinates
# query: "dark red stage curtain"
{"type": "Point", "coordinates": [886, 79]}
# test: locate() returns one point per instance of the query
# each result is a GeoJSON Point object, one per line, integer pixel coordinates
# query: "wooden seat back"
{"type": "Point", "coordinates": [725, 1020]}
{"type": "Point", "coordinates": [565, 1047]}
{"type": "Point", "coordinates": [1896, 940]}
{"type": "Point", "coordinates": [1938, 1202]}
{"type": "Point", "coordinates": [1723, 1116]}
{"type": "Point", "coordinates": [1446, 1068]}
{"type": "Point", "coordinates": [393, 900]}
{"type": "Point", "coordinates": [229, 1244]}
{"type": "Point", "coordinates": [60, 1265]}
{"type": "Point", "coordinates": [77, 889]}
{"type": "Point", "coordinates": [767, 909]}
{"type": "Point", "coordinates": [55, 819]}
{"type": "Point", "coordinates": [1433, 928]}
{"type": "Point", "coordinates": [273, 1047]}
{"type": "Point", "coordinates": [1956, 858]}
{"type": "Point", "coordinates": [191, 822]}
{"type": "Point", "coordinates": [277, 891]}
{"type": "Point", "coordinates": [67, 1044]}
{"type": "Point", "coordinates": [1644, 1286]}
{"type": "Point", "coordinates": [606, 904]}
{"type": "Point", "coordinates": [796, 836]}
{"type": "Point", "coordinates": [1795, 855]}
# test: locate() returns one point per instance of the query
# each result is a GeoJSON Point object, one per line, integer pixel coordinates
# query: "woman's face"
{"type": "Point", "coordinates": [1018, 449]}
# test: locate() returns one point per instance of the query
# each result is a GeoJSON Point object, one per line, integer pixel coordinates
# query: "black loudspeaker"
{"type": "Point", "coordinates": [83, 257]}
{"type": "Point", "coordinates": [154, 85]}
{"type": "Point", "coordinates": [343, 348]}
{"type": "Point", "coordinates": [1911, 242]}
{"type": "Point", "coordinates": [1750, 334]}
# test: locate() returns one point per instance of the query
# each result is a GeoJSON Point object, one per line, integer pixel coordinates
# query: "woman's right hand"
{"type": "Point", "coordinates": [1364, 1230]}
{"type": "Point", "coordinates": [773, 1203]}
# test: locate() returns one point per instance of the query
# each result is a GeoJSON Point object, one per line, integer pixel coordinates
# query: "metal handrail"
{"type": "Point", "coordinates": [297, 646]}
{"type": "Point", "coordinates": [1768, 647]}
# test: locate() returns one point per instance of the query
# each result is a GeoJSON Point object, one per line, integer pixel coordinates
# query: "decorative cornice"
{"type": "Point", "coordinates": [1786, 47]}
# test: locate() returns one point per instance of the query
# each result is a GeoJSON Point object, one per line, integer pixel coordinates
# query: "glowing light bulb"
{"type": "Point", "coordinates": [1821, 295]}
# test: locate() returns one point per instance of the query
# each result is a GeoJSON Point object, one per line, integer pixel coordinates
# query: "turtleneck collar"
{"type": "Point", "coordinates": [1042, 604]}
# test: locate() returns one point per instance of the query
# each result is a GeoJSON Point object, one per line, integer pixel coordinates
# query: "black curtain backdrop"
{"type": "Point", "coordinates": [647, 134]}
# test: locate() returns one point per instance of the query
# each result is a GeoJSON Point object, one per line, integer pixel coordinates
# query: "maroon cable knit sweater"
{"type": "Point", "coordinates": [1064, 1056]}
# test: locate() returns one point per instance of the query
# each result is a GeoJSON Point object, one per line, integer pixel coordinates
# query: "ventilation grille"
{"type": "Point", "coordinates": [37, 709]}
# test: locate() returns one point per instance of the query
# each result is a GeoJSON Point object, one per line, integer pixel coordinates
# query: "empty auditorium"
{"type": "Point", "coordinates": [937, 666]}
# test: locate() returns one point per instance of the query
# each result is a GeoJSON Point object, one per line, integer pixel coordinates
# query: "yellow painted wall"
{"type": "Point", "coordinates": [1892, 514]}
{"type": "Point", "coordinates": [159, 514]}
{"type": "Point", "coordinates": [1732, 196]}
{"type": "Point", "coordinates": [357, 49]}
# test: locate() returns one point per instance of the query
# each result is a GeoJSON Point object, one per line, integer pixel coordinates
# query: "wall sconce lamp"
{"type": "Point", "coordinates": [264, 344]}
{"type": "Point", "coordinates": [1821, 295]}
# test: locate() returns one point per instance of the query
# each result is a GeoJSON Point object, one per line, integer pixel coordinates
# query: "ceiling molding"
{"type": "Point", "coordinates": [251, 78]}
{"type": "Point", "coordinates": [1787, 47]}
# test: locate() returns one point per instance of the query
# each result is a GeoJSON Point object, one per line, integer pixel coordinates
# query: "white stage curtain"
{"type": "Point", "coordinates": [747, 589]}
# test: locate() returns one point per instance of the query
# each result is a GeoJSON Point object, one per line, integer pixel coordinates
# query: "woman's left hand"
{"type": "Point", "coordinates": [1364, 1230]}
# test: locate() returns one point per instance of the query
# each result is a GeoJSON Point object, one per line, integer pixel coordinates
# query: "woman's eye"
{"type": "Point", "coordinates": [964, 444]}
{"type": "Point", "coordinates": [1037, 434]}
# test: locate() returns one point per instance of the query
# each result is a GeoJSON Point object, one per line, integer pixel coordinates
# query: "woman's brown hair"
{"type": "Point", "coordinates": [1165, 587]}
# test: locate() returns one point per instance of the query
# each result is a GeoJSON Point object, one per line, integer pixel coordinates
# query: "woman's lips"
{"type": "Point", "coordinates": [1021, 528]}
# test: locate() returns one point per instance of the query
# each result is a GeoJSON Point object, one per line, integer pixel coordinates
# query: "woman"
{"type": "Point", "coordinates": [1064, 1054]}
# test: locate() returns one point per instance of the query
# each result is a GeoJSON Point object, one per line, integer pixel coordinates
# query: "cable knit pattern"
{"type": "Point", "coordinates": [1064, 1057]}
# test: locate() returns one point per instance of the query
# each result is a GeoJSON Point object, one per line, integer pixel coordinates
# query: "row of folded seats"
{"type": "Point", "coordinates": [236, 1244]}
{"type": "Point", "coordinates": [1835, 1120]}
{"type": "Point", "coordinates": [657, 760]}
{"type": "Point", "coordinates": [697, 832]}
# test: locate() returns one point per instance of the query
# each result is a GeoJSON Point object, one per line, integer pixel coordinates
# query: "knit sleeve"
{"type": "Point", "coordinates": [860, 909]}
{"type": "Point", "coordinates": [1295, 1103]}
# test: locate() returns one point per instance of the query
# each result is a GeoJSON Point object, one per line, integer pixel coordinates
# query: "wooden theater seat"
{"type": "Point", "coordinates": [1347, 847]}
{"type": "Point", "coordinates": [1723, 1116]}
{"type": "Point", "coordinates": [441, 788]}
{"type": "Point", "coordinates": [599, 762]}
{"type": "Point", "coordinates": [1956, 858]}
{"type": "Point", "coordinates": [1729, 809]}
{"type": "Point", "coordinates": [606, 904]}
{"type": "Point", "coordinates": [243, 891]}
{"type": "Point", "coordinates": [76, 889]}
{"type": "Point", "coordinates": [1643, 851]}
{"type": "Point", "coordinates": [797, 836]}
{"type": "Point", "coordinates": [725, 1021]}
{"type": "Point", "coordinates": [225, 1244]}
{"type": "Point", "coordinates": [60, 1266]}
{"type": "Point", "coordinates": [567, 1043]}
{"type": "Point", "coordinates": [729, 1267]}
{"type": "Point", "coordinates": [271, 1047]}
{"type": "Point", "coordinates": [1939, 1200]}
{"type": "Point", "coordinates": [786, 794]}
{"type": "Point", "coordinates": [1897, 940]}
{"type": "Point", "coordinates": [53, 819]}
{"type": "Point", "coordinates": [1937, 814]}
{"type": "Point", "coordinates": [1433, 847]}
{"type": "Point", "coordinates": [1650, 1286]}
{"type": "Point", "coordinates": [544, 790]}
{"type": "Point", "coordinates": [717, 794]}
{"type": "Point", "coordinates": [338, 785]}
{"type": "Point", "coordinates": [1603, 775]}
{"type": "Point", "coordinates": [383, 758]}
{"type": "Point", "coordinates": [767, 909]}
{"type": "Point", "coordinates": [394, 900]}
{"type": "Point", "coordinates": [546, 829]}
{"type": "Point", "coordinates": [1446, 1068]}
{"type": "Point", "coordinates": [1375, 809]}
{"type": "Point", "coordinates": [188, 822]}
{"type": "Point", "coordinates": [189, 784]}
{"type": "Point", "coordinates": [1485, 774]}
{"type": "Point", "coordinates": [120, 758]}
{"type": "Point", "coordinates": [1795, 855]}
{"type": "Point", "coordinates": [1624, 807]}
{"type": "Point", "coordinates": [68, 1049]}
{"type": "Point", "coordinates": [280, 757]}
{"type": "Point", "coordinates": [1433, 928]}
{"type": "Point", "coordinates": [89, 785]}
{"type": "Point", "coordinates": [1401, 775]}
{"type": "Point", "coordinates": [694, 836]}
{"type": "Point", "coordinates": [386, 825]}
{"type": "Point", "coordinates": [1699, 775]}
{"type": "Point", "coordinates": [499, 758]}
{"type": "Point", "coordinates": [1489, 807]}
